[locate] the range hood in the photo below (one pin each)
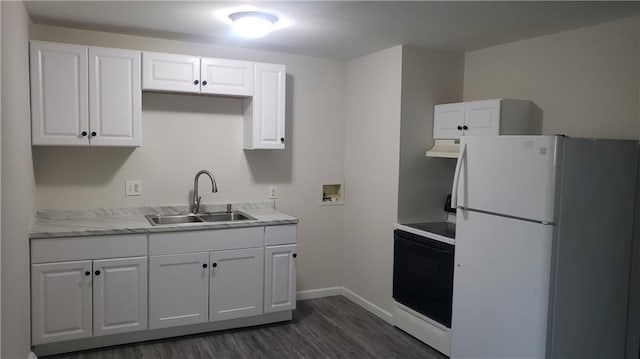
(445, 149)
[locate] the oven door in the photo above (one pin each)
(423, 275)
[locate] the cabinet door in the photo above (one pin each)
(482, 118)
(226, 77)
(169, 72)
(280, 278)
(59, 94)
(236, 283)
(178, 289)
(119, 295)
(267, 128)
(60, 301)
(446, 120)
(115, 97)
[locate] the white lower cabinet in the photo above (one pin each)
(72, 300)
(119, 295)
(205, 286)
(178, 289)
(61, 301)
(236, 283)
(160, 280)
(280, 278)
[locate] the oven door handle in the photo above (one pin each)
(456, 176)
(409, 242)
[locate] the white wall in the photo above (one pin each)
(185, 133)
(17, 181)
(371, 173)
(429, 77)
(585, 81)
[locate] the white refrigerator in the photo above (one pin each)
(543, 245)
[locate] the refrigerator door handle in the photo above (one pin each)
(456, 176)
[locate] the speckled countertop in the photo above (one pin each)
(103, 221)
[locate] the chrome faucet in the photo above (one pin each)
(195, 204)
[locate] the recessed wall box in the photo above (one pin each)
(332, 193)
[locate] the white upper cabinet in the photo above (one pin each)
(226, 77)
(170, 72)
(193, 74)
(482, 118)
(59, 94)
(446, 120)
(115, 97)
(85, 96)
(262, 85)
(264, 118)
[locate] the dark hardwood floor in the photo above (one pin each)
(331, 327)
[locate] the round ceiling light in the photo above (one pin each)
(253, 24)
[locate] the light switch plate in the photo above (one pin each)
(133, 188)
(272, 192)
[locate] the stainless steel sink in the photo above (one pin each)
(225, 216)
(160, 219)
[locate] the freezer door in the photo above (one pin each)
(500, 287)
(508, 175)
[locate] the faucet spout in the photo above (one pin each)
(195, 203)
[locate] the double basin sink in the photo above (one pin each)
(233, 216)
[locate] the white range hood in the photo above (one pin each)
(445, 149)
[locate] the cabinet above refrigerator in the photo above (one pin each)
(478, 118)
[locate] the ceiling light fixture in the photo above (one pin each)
(253, 24)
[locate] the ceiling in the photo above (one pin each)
(340, 29)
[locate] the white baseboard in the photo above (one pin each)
(319, 293)
(352, 296)
(377, 311)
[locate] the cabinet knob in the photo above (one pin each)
(465, 127)
(87, 273)
(204, 83)
(204, 265)
(97, 272)
(282, 139)
(93, 134)
(196, 82)
(214, 264)
(84, 133)
(295, 255)
(459, 128)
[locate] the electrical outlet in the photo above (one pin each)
(272, 192)
(133, 188)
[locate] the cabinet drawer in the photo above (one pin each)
(277, 235)
(209, 240)
(94, 247)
